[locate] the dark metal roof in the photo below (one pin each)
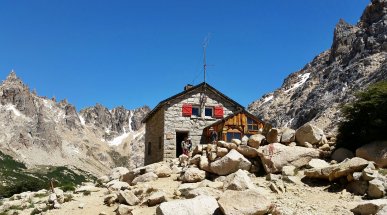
(203, 84)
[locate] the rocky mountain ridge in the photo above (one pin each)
(56, 134)
(314, 94)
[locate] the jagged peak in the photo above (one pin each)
(12, 76)
(374, 12)
(12, 79)
(343, 26)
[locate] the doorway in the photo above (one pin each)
(180, 135)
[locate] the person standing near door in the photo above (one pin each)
(213, 136)
(184, 145)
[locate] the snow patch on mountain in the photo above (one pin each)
(130, 121)
(267, 99)
(303, 78)
(118, 140)
(12, 108)
(82, 120)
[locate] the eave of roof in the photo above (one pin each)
(203, 84)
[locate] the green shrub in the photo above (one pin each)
(16, 207)
(383, 172)
(68, 187)
(68, 197)
(365, 119)
(41, 195)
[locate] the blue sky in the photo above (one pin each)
(135, 53)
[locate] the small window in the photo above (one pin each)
(233, 135)
(149, 148)
(252, 125)
(208, 111)
(195, 111)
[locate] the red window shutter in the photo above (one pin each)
(218, 112)
(187, 110)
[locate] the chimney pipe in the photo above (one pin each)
(187, 87)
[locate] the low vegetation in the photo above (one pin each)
(365, 119)
(16, 178)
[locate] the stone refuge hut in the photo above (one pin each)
(186, 114)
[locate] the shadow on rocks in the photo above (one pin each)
(331, 186)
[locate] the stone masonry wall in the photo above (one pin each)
(174, 121)
(154, 133)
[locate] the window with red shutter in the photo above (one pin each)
(218, 112)
(187, 110)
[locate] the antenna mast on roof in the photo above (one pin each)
(205, 44)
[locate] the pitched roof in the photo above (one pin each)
(203, 84)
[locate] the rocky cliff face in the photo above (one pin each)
(356, 59)
(40, 131)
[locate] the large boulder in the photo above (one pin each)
(127, 197)
(370, 207)
(376, 189)
(273, 136)
(247, 151)
(357, 187)
(221, 152)
(227, 145)
(309, 133)
(203, 205)
(288, 170)
(288, 136)
(110, 199)
(230, 163)
(238, 180)
(244, 203)
(318, 163)
(192, 175)
(236, 141)
(117, 185)
(202, 191)
(117, 173)
(339, 170)
(341, 154)
(123, 210)
(255, 140)
(195, 160)
(375, 151)
(275, 156)
(156, 198)
(204, 164)
(147, 177)
(163, 171)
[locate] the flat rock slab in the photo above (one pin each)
(338, 170)
(244, 203)
(203, 205)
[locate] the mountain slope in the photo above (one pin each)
(40, 131)
(314, 94)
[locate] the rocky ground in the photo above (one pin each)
(292, 175)
(296, 198)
